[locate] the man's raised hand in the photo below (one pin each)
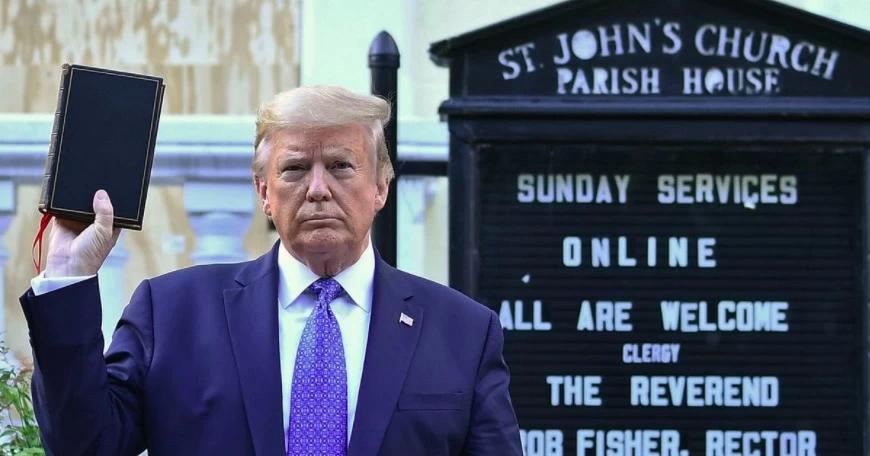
(78, 249)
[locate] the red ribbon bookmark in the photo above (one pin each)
(37, 260)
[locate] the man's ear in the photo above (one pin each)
(383, 192)
(262, 194)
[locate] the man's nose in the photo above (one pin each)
(318, 185)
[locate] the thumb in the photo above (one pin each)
(105, 214)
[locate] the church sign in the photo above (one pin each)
(756, 60)
(665, 203)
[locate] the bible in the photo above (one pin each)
(103, 137)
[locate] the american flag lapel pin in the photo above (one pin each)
(403, 318)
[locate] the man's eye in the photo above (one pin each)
(341, 165)
(294, 168)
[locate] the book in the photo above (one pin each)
(104, 132)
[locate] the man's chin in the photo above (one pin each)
(323, 243)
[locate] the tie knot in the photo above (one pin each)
(327, 289)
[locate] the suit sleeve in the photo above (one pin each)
(494, 429)
(87, 403)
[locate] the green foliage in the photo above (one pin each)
(19, 433)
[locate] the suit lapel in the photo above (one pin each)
(389, 351)
(252, 318)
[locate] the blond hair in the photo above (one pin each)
(315, 107)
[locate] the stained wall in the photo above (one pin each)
(217, 58)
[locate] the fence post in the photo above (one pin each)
(384, 66)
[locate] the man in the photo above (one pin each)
(317, 347)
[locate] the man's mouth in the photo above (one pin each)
(319, 218)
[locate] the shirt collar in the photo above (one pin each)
(357, 280)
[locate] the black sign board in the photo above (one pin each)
(678, 262)
(661, 48)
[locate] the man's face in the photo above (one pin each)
(322, 191)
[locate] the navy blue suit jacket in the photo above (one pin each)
(193, 369)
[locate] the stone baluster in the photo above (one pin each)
(112, 289)
(7, 212)
(220, 214)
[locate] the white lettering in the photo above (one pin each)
(705, 253)
(730, 316)
(525, 188)
(828, 61)
(526, 49)
(574, 390)
(748, 190)
(572, 249)
(602, 254)
(678, 252)
(504, 59)
(624, 259)
(584, 44)
(611, 40)
(700, 45)
(629, 442)
(757, 443)
(650, 353)
(604, 316)
(563, 46)
(671, 31)
(542, 442)
(676, 391)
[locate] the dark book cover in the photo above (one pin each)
(103, 138)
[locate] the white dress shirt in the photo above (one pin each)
(352, 309)
(42, 284)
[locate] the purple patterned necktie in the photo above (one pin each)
(318, 402)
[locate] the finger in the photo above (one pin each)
(105, 214)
